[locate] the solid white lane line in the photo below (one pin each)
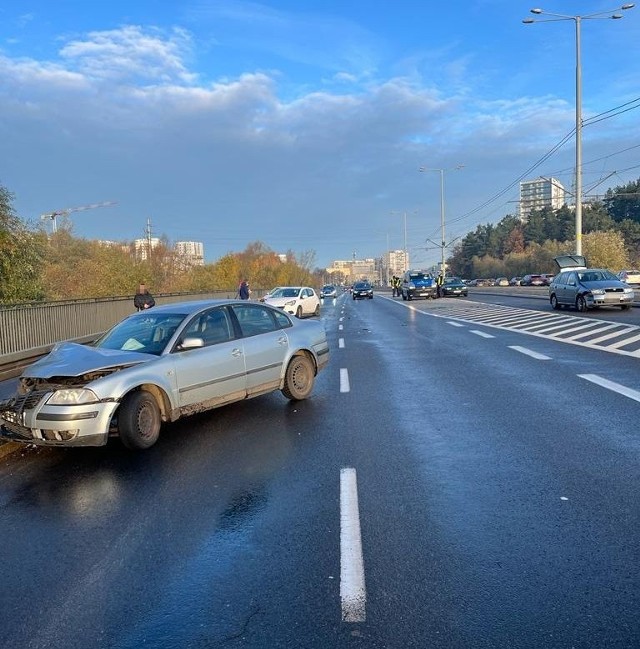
(353, 594)
(610, 385)
(344, 380)
(530, 352)
(341, 343)
(483, 334)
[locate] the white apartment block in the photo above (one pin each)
(190, 253)
(539, 194)
(142, 247)
(395, 262)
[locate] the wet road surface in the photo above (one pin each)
(492, 486)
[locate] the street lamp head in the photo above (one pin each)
(631, 5)
(536, 11)
(528, 21)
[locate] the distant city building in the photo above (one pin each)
(539, 194)
(355, 269)
(190, 253)
(143, 247)
(394, 262)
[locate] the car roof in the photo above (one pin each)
(194, 306)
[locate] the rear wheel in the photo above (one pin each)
(139, 421)
(581, 304)
(625, 307)
(317, 311)
(299, 378)
(554, 302)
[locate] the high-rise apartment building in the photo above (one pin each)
(394, 262)
(190, 253)
(539, 194)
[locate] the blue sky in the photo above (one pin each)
(304, 124)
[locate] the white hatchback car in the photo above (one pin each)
(296, 300)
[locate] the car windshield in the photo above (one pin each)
(596, 276)
(328, 288)
(420, 276)
(148, 333)
(286, 292)
(453, 280)
(361, 285)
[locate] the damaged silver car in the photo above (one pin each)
(159, 365)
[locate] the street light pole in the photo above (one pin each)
(578, 172)
(405, 239)
(443, 241)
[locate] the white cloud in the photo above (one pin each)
(132, 54)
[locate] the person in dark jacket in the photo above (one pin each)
(143, 299)
(243, 290)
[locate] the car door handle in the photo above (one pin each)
(282, 340)
(236, 352)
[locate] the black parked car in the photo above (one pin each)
(453, 286)
(362, 290)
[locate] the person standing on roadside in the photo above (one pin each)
(143, 299)
(244, 291)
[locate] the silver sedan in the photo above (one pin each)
(158, 365)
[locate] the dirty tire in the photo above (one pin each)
(299, 378)
(317, 311)
(299, 312)
(139, 421)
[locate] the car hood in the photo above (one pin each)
(279, 301)
(604, 283)
(72, 359)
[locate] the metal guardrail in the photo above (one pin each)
(29, 331)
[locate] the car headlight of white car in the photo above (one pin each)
(72, 397)
(290, 303)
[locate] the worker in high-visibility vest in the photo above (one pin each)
(439, 283)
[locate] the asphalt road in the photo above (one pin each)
(450, 484)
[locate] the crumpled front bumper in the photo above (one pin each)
(29, 419)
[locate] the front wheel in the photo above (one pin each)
(299, 312)
(298, 379)
(139, 421)
(625, 307)
(581, 304)
(317, 311)
(554, 302)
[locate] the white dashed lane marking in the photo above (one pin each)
(353, 594)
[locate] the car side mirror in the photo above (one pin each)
(191, 343)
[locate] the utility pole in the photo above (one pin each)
(148, 236)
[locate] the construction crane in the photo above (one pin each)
(53, 216)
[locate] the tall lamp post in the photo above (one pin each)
(578, 20)
(405, 238)
(443, 243)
